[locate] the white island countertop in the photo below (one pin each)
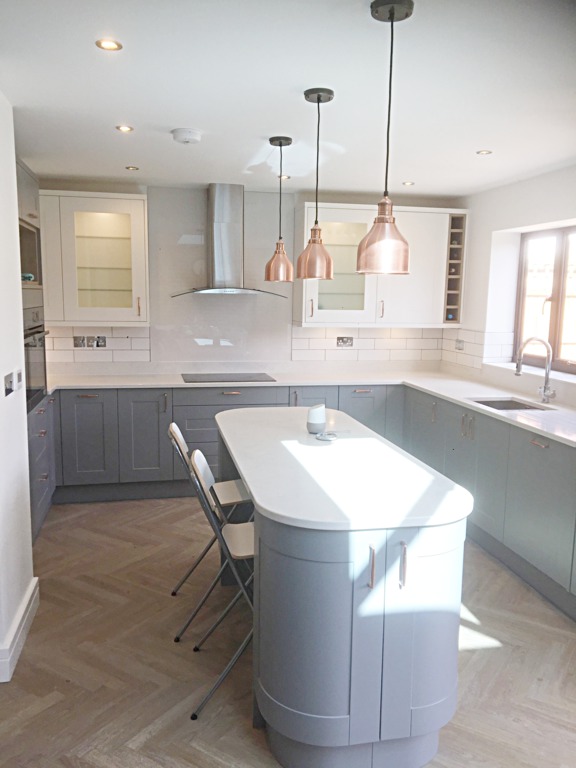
(360, 481)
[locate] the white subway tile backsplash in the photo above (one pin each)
(48, 343)
(390, 344)
(96, 330)
(308, 333)
(322, 344)
(117, 343)
(59, 331)
(406, 333)
(431, 333)
(131, 356)
(374, 333)
(53, 356)
(140, 343)
(63, 343)
(92, 356)
(341, 354)
(364, 343)
(405, 354)
(308, 354)
(331, 333)
(300, 343)
(135, 332)
(373, 354)
(421, 344)
(431, 354)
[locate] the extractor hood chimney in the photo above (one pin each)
(225, 243)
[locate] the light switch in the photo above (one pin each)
(8, 384)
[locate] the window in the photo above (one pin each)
(546, 305)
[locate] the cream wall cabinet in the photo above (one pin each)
(418, 299)
(95, 258)
(28, 196)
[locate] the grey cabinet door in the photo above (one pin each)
(423, 583)
(308, 396)
(144, 416)
(492, 438)
(541, 503)
(41, 461)
(425, 432)
(89, 423)
(367, 404)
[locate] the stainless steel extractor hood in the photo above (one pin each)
(225, 243)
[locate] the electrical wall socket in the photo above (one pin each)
(8, 384)
(459, 344)
(79, 341)
(344, 341)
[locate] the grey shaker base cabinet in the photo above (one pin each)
(368, 667)
(41, 461)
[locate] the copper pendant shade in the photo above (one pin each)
(315, 261)
(279, 269)
(384, 251)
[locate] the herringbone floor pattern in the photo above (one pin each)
(100, 684)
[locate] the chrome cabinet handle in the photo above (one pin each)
(381, 308)
(87, 397)
(233, 392)
(44, 477)
(538, 444)
(165, 396)
(362, 391)
(41, 410)
(403, 564)
(295, 397)
(372, 580)
(42, 433)
(463, 425)
(311, 307)
(471, 427)
(434, 404)
(138, 305)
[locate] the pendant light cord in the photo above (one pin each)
(317, 156)
(389, 101)
(280, 201)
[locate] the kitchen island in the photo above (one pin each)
(357, 590)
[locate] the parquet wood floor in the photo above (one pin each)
(100, 683)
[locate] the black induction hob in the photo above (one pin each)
(215, 378)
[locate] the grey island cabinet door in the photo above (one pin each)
(144, 416)
(89, 422)
(314, 395)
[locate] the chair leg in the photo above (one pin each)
(223, 676)
(221, 618)
(201, 602)
(194, 565)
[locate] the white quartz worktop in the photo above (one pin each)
(360, 481)
(555, 421)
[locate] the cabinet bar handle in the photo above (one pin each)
(471, 427)
(42, 433)
(463, 425)
(165, 396)
(52, 400)
(403, 564)
(138, 305)
(372, 568)
(311, 307)
(87, 396)
(296, 397)
(381, 308)
(41, 410)
(362, 391)
(44, 477)
(234, 392)
(434, 404)
(535, 442)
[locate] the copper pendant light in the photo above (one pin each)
(384, 251)
(279, 269)
(315, 261)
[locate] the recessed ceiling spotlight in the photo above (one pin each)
(124, 128)
(484, 152)
(408, 183)
(109, 45)
(132, 168)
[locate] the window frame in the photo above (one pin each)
(557, 298)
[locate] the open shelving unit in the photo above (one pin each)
(455, 268)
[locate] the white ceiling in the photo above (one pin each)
(468, 75)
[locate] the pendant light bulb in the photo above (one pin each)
(315, 261)
(384, 251)
(279, 269)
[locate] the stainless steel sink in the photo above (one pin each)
(509, 404)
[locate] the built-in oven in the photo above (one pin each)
(34, 355)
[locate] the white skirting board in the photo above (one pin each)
(14, 642)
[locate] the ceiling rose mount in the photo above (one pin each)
(319, 95)
(385, 11)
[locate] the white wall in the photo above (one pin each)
(18, 588)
